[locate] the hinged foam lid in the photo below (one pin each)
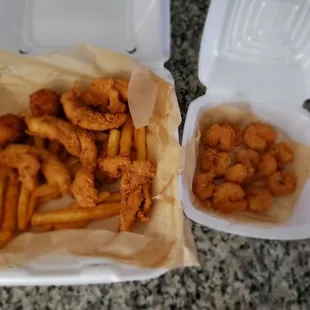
(140, 28)
(259, 48)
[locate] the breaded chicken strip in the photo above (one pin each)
(83, 116)
(77, 141)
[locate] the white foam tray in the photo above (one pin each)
(258, 52)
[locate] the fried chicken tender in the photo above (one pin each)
(12, 128)
(259, 198)
(203, 186)
(222, 137)
(282, 152)
(259, 136)
(83, 116)
(134, 178)
(113, 167)
(281, 183)
(229, 197)
(267, 165)
(76, 141)
(212, 159)
(44, 101)
(237, 173)
(83, 189)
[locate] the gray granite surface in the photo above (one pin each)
(235, 272)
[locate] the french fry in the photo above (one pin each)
(101, 136)
(10, 205)
(45, 199)
(114, 197)
(69, 215)
(55, 147)
(140, 143)
(126, 138)
(22, 209)
(39, 142)
(5, 238)
(113, 143)
(41, 191)
(103, 196)
(74, 225)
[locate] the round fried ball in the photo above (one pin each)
(45, 101)
(12, 128)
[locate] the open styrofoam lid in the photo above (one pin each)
(259, 48)
(138, 27)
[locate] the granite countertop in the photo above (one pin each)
(235, 272)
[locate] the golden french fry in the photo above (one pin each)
(74, 225)
(140, 143)
(114, 197)
(113, 143)
(22, 209)
(101, 136)
(55, 147)
(103, 196)
(126, 138)
(41, 191)
(5, 238)
(10, 205)
(39, 142)
(70, 215)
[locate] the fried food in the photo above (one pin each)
(203, 186)
(72, 215)
(229, 197)
(237, 173)
(9, 222)
(74, 225)
(250, 159)
(83, 189)
(113, 166)
(12, 129)
(22, 209)
(44, 101)
(55, 147)
(100, 136)
(259, 136)
(134, 178)
(222, 137)
(77, 141)
(27, 164)
(115, 106)
(5, 238)
(282, 152)
(267, 165)
(281, 183)
(212, 159)
(140, 143)
(83, 116)
(126, 138)
(113, 143)
(259, 198)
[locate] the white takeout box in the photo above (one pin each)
(138, 28)
(256, 52)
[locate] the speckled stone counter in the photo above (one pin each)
(235, 272)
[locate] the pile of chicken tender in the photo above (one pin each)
(73, 144)
(241, 170)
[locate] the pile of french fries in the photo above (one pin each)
(20, 209)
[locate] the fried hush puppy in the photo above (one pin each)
(259, 136)
(12, 129)
(222, 137)
(259, 198)
(212, 159)
(281, 183)
(44, 101)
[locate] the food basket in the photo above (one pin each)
(255, 52)
(139, 28)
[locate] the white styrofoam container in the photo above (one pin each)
(257, 52)
(139, 28)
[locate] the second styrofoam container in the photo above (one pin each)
(255, 52)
